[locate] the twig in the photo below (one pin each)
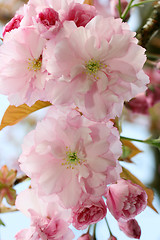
(151, 26)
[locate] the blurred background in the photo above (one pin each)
(138, 121)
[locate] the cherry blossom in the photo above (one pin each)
(12, 24)
(100, 64)
(70, 156)
(48, 220)
(130, 228)
(88, 212)
(22, 75)
(125, 200)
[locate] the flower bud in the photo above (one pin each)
(12, 24)
(85, 236)
(125, 200)
(131, 228)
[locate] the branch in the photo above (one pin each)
(151, 26)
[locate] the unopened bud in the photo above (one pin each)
(112, 238)
(131, 228)
(85, 236)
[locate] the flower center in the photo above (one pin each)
(35, 64)
(72, 159)
(93, 66)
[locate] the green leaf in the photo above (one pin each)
(15, 114)
(2, 223)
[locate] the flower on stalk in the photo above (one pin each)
(125, 200)
(71, 156)
(85, 236)
(130, 228)
(88, 212)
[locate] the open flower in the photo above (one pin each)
(71, 156)
(48, 220)
(100, 64)
(22, 76)
(125, 200)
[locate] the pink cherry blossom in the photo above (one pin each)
(112, 238)
(81, 14)
(100, 64)
(125, 200)
(12, 24)
(130, 228)
(86, 236)
(22, 76)
(88, 213)
(47, 219)
(69, 155)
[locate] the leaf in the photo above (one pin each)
(129, 151)
(2, 223)
(15, 114)
(89, 2)
(126, 174)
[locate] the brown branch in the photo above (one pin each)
(151, 26)
(20, 180)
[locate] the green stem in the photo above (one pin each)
(94, 231)
(126, 10)
(133, 139)
(119, 8)
(141, 3)
(89, 228)
(150, 141)
(108, 227)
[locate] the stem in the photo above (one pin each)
(119, 8)
(152, 63)
(133, 139)
(108, 227)
(126, 10)
(141, 3)
(89, 229)
(94, 231)
(21, 179)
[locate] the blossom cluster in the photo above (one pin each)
(86, 64)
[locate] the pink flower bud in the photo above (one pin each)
(12, 24)
(86, 236)
(48, 17)
(112, 238)
(81, 14)
(87, 213)
(131, 228)
(138, 104)
(125, 200)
